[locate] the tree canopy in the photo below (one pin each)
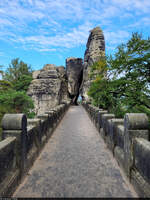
(19, 74)
(13, 87)
(127, 86)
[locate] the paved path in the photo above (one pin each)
(75, 163)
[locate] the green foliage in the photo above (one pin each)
(13, 87)
(16, 69)
(127, 87)
(18, 101)
(98, 69)
(5, 85)
(4, 110)
(19, 74)
(22, 83)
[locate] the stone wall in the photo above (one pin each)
(22, 142)
(129, 141)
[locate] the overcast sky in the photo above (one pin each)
(48, 31)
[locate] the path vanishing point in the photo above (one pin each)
(75, 162)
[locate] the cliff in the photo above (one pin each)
(48, 88)
(95, 48)
(54, 85)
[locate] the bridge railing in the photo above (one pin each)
(22, 141)
(129, 141)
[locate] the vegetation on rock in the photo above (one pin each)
(126, 88)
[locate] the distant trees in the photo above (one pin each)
(13, 87)
(127, 86)
(19, 74)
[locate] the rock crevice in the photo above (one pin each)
(54, 85)
(74, 71)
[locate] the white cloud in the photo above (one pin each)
(145, 21)
(76, 37)
(47, 24)
(113, 39)
(47, 50)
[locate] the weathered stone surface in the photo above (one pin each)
(75, 163)
(95, 48)
(141, 148)
(74, 71)
(33, 122)
(35, 74)
(133, 124)
(53, 85)
(7, 159)
(136, 121)
(49, 88)
(14, 121)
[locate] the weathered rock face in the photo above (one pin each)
(95, 48)
(53, 85)
(74, 71)
(48, 88)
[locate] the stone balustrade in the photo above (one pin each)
(22, 141)
(129, 141)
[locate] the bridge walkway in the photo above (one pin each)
(75, 163)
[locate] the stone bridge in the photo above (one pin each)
(89, 154)
(73, 151)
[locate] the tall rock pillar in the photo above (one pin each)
(95, 48)
(74, 71)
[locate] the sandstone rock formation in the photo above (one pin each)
(48, 88)
(74, 71)
(95, 48)
(53, 85)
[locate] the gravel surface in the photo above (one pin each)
(75, 163)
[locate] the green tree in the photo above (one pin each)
(5, 85)
(13, 87)
(127, 88)
(17, 101)
(19, 74)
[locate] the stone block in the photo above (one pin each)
(43, 116)
(119, 155)
(111, 130)
(136, 121)
(141, 153)
(14, 122)
(135, 126)
(7, 156)
(141, 186)
(105, 118)
(33, 122)
(120, 136)
(100, 112)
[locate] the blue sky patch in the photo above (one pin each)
(47, 32)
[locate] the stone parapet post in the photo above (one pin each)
(100, 112)
(113, 131)
(136, 125)
(16, 125)
(22, 141)
(129, 141)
